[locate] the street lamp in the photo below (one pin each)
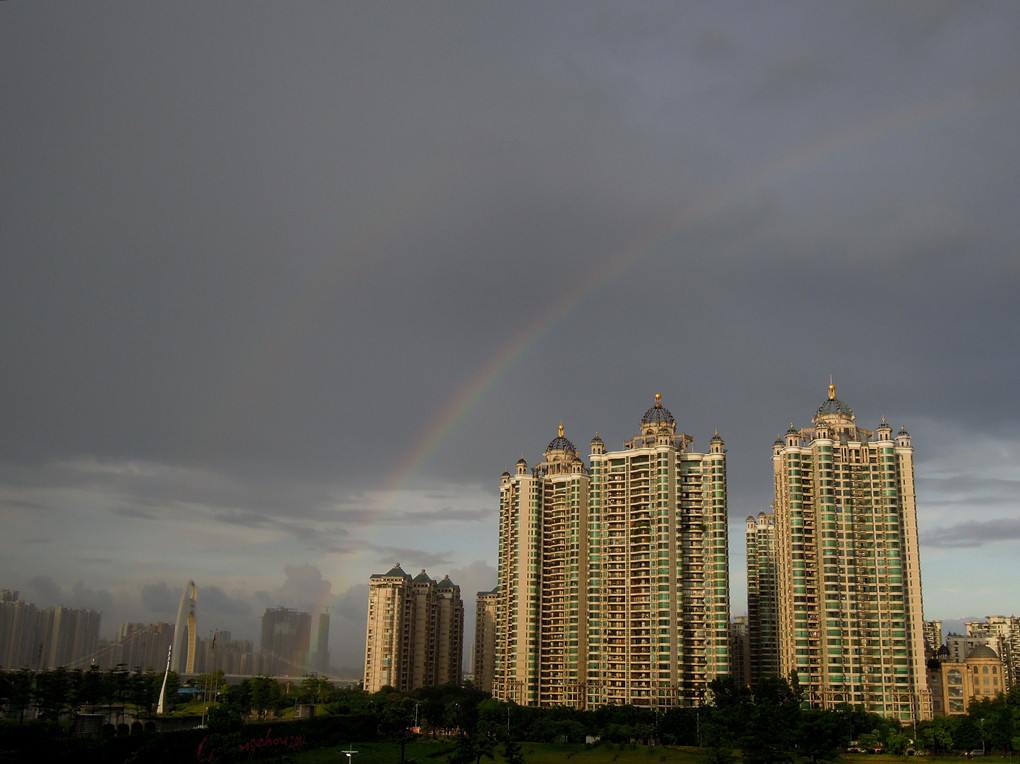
(349, 754)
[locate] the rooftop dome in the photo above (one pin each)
(657, 414)
(982, 651)
(446, 583)
(834, 405)
(559, 443)
(394, 572)
(596, 439)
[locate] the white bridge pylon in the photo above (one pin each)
(177, 662)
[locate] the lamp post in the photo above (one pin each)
(349, 753)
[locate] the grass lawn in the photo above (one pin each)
(435, 752)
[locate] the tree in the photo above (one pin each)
(239, 697)
(464, 751)
(484, 740)
(18, 692)
(210, 683)
(728, 715)
(266, 695)
(895, 742)
(91, 691)
(114, 685)
(51, 691)
(512, 753)
(143, 690)
(680, 726)
(772, 722)
(819, 735)
(936, 735)
(316, 689)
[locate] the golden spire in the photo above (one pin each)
(561, 431)
(832, 389)
(658, 399)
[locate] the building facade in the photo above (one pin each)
(43, 638)
(449, 657)
(740, 651)
(613, 579)
(415, 634)
(485, 639)
(932, 635)
(1006, 629)
(286, 638)
(850, 611)
(143, 646)
(762, 596)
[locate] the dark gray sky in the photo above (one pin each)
(284, 287)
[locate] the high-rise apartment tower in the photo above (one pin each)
(613, 583)
(286, 637)
(850, 611)
(762, 595)
(415, 634)
(485, 639)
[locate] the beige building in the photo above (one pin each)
(850, 611)
(541, 579)
(932, 635)
(1006, 631)
(485, 639)
(613, 580)
(762, 596)
(740, 650)
(415, 634)
(956, 684)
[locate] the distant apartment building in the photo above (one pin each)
(850, 611)
(762, 596)
(286, 638)
(415, 631)
(740, 650)
(320, 658)
(485, 639)
(43, 638)
(959, 646)
(932, 635)
(221, 652)
(142, 646)
(1006, 628)
(613, 583)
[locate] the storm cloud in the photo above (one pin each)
(283, 290)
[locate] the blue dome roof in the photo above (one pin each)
(657, 414)
(834, 405)
(559, 443)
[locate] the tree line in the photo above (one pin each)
(768, 723)
(59, 691)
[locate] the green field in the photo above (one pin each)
(435, 752)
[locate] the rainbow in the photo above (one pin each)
(716, 202)
(470, 395)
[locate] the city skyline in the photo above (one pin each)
(284, 289)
